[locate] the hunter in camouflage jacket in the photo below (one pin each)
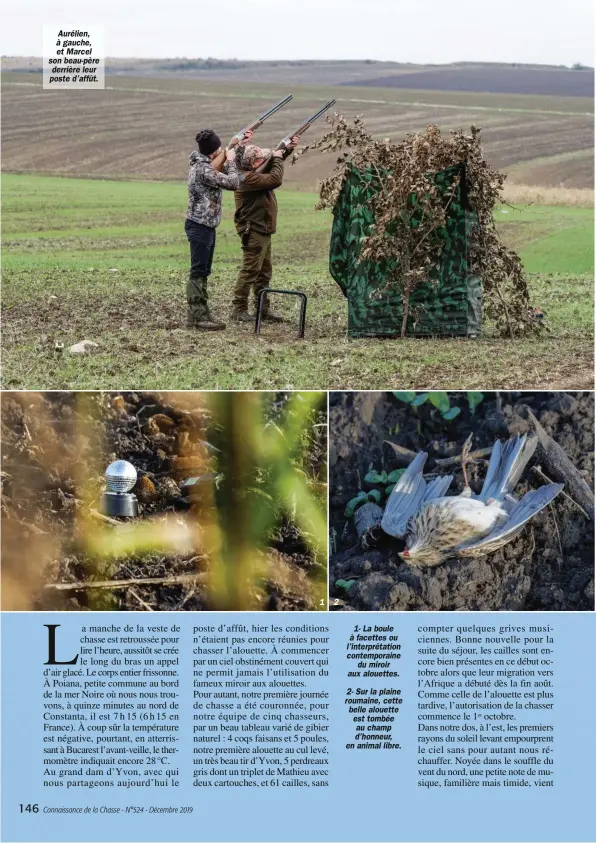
(204, 189)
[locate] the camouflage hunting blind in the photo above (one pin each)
(449, 304)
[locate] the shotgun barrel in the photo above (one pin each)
(284, 144)
(275, 108)
(260, 120)
(307, 123)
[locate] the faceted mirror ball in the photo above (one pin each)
(121, 476)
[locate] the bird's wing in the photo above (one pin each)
(437, 488)
(531, 503)
(406, 497)
(507, 462)
(491, 471)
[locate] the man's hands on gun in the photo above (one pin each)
(229, 153)
(281, 153)
(247, 137)
(231, 149)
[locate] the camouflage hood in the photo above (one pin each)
(196, 156)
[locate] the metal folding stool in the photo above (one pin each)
(303, 301)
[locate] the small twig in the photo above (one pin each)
(471, 457)
(404, 453)
(404, 321)
(541, 473)
(465, 458)
(34, 528)
(190, 593)
(141, 601)
(81, 586)
(515, 207)
(561, 468)
(145, 408)
(550, 506)
(105, 518)
(529, 555)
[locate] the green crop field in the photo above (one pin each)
(107, 261)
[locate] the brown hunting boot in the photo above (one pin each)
(242, 316)
(210, 325)
(204, 323)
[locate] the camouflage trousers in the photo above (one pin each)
(202, 247)
(255, 272)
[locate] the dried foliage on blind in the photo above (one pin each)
(409, 211)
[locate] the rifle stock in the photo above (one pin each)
(220, 159)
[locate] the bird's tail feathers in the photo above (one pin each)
(507, 463)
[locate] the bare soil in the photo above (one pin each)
(549, 567)
(147, 124)
(560, 82)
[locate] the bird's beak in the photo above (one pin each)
(404, 554)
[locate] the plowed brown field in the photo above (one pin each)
(144, 128)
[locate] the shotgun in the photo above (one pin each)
(218, 162)
(283, 144)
